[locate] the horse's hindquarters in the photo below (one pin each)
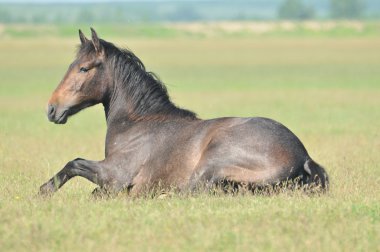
(255, 151)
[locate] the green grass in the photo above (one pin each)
(327, 90)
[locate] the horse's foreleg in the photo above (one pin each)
(90, 170)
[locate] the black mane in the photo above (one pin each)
(147, 95)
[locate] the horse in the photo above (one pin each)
(151, 141)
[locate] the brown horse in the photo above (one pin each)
(151, 141)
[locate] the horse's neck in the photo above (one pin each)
(140, 97)
(115, 106)
(124, 104)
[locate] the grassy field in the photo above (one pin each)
(327, 90)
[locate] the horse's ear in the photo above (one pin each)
(82, 38)
(96, 42)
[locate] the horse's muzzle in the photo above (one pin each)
(56, 115)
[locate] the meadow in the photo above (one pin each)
(326, 89)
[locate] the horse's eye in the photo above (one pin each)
(83, 70)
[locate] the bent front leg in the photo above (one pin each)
(90, 170)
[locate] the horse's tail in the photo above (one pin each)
(315, 175)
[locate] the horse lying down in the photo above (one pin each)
(151, 141)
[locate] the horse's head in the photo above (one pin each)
(83, 84)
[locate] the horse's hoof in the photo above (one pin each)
(46, 189)
(100, 193)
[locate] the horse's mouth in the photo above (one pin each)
(62, 118)
(66, 112)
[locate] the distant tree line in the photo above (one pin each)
(184, 11)
(339, 9)
(347, 8)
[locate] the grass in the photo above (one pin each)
(325, 89)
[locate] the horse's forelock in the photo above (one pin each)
(85, 49)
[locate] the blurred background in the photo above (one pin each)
(162, 13)
(89, 12)
(313, 65)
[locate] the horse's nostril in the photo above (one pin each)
(51, 111)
